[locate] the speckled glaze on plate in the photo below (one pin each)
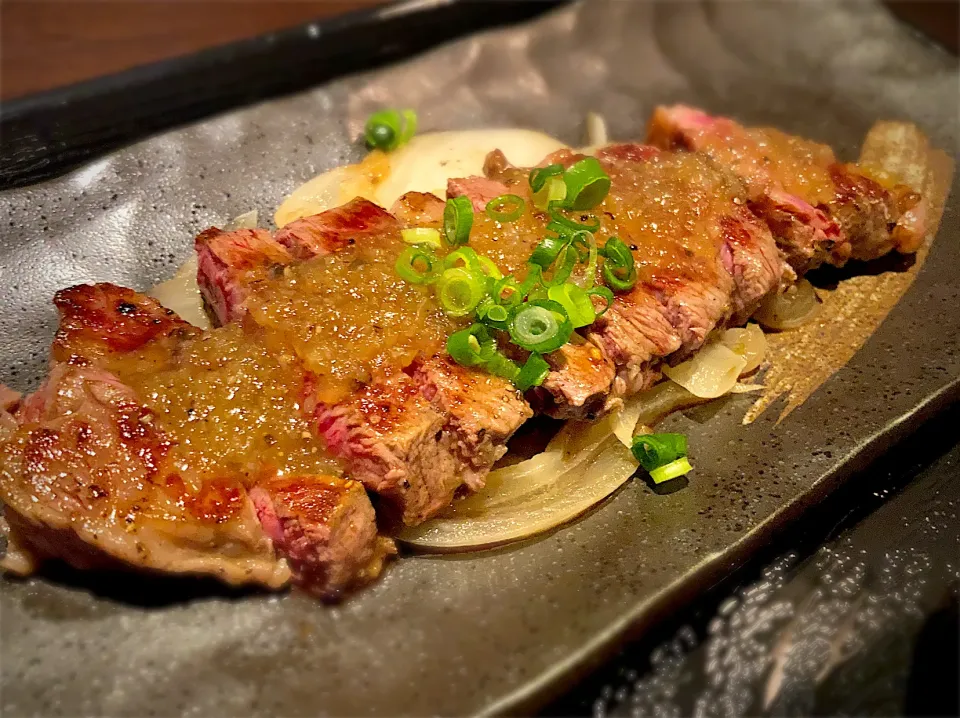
(498, 631)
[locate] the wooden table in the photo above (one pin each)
(51, 43)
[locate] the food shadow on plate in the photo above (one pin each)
(140, 589)
(830, 277)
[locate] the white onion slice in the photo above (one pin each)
(649, 407)
(247, 220)
(749, 342)
(596, 126)
(709, 374)
(182, 295)
(608, 467)
(790, 309)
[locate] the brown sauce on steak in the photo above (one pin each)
(349, 317)
(233, 406)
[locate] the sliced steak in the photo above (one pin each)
(416, 437)
(356, 221)
(100, 320)
(325, 527)
(189, 385)
(820, 211)
(480, 190)
(391, 438)
(228, 262)
(82, 479)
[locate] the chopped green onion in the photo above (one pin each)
(506, 207)
(463, 257)
(619, 271)
(457, 221)
(671, 471)
(389, 129)
(409, 262)
(466, 346)
(493, 314)
(563, 267)
(589, 243)
(515, 292)
(533, 278)
(656, 450)
(533, 373)
(547, 251)
(541, 326)
(571, 224)
(489, 268)
(555, 190)
(421, 235)
(587, 184)
(499, 365)
(460, 291)
(576, 302)
(540, 175)
(605, 294)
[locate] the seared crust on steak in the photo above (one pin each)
(229, 262)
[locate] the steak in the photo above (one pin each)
(242, 516)
(819, 210)
(228, 262)
(82, 480)
(412, 437)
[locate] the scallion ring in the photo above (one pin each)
(540, 175)
(541, 326)
(671, 471)
(421, 235)
(466, 346)
(572, 224)
(499, 365)
(619, 271)
(605, 294)
(489, 268)
(655, 450)
(562, 268)
(508, 292)
(588, 243)
(554, 191)
(416, 265)
(576, 302)
(463, 257)
(459, 291)
(587, 184)
(505, 208)
(547, 251)
(457, 221)
(389, 129)
(533, 373)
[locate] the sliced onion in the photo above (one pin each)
(596, 130)
(651, 406)
(182, 295)
(749, 342)
(606, 469)
(711, 373)
(790, 309)
(247, 220)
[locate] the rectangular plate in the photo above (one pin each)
(497, 631)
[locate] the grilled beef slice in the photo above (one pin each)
(320, 528)
(703, 260)
(412, 436)
(819, 210)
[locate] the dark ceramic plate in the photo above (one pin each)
(498, 631)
